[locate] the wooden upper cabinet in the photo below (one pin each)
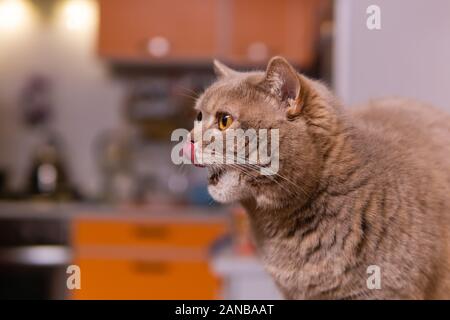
(262, 29)
(173, 30)
(237, 31)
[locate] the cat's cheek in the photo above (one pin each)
(228, 189)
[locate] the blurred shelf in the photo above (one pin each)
(232, 30)
(24, 209)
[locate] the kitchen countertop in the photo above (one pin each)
(69, 210)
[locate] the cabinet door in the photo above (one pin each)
(156, 256)
(261, 29)
(113, 278)
(147, 233)
(158, 29)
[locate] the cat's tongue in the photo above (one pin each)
(189, 153)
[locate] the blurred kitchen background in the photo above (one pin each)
(90, 92)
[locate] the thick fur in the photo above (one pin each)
(356, 187)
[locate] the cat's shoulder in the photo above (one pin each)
(402, 109)
(401, 114)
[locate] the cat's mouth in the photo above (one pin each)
(214, 174)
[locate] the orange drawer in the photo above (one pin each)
(156, 279)
(146, 233)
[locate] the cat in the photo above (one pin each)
(356, 187)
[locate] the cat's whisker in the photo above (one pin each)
(188, 93)
(259, 168)
(286, 188)
(256, 168)
(188, 96)
(279, 175)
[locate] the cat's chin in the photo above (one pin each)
(225, 186)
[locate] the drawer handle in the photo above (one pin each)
(257, 52)
(154, 267)
(158, 46)
(151, 232)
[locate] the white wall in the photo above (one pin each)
(86, 99)
(409, 56)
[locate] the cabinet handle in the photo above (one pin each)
(151, 232)
(158, 46)
(257, 51)
(155, 267)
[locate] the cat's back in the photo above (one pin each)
(409, 138)
(410, 126)
(416, 138)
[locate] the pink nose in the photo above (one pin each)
(189, 153)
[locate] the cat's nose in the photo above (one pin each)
(189, 153)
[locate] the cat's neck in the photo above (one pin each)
(346, 168)
(322, 231)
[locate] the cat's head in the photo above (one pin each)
(278, 99)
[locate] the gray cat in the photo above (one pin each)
(355, 187)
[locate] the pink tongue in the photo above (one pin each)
(188, 152)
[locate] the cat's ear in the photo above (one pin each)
(222, 70)
(282, 80)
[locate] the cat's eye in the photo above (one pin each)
(199, 116)
(224, 120)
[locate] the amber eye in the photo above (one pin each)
(199, 116)
(225, 120)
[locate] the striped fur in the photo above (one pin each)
(357, 187)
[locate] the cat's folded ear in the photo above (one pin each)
(282, 80)
(222, 70)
